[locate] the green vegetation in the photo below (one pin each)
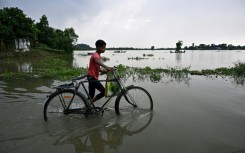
(237, 70)
(56, 68)
(141, 58)
(136, 58)
(222, 46)
(15, 25)
(83, 47)
(59, 68)
(33, 53)
(148, 55)
(178, 45)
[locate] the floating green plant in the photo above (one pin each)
(60, 69)
(137, 58)
(148, 55)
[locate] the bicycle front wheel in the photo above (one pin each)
(56, 105)
(133, 100)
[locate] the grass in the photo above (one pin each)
(238, 70)
(33, 53)
(53, 69)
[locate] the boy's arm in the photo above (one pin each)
(98, 61)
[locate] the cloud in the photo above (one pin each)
(143, 23)
(117, 21)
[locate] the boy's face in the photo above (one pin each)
(101, 49)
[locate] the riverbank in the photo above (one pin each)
(44, 64)
(40, 52)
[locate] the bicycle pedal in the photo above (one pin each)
(106, 109)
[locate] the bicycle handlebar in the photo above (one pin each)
(85, 76)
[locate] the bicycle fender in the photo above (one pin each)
(45, 101)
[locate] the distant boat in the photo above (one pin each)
(119, 51)
(177, 51)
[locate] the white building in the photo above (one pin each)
(22, 44)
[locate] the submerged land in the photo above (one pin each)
(58, 66)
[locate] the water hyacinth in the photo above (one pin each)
(60, 69)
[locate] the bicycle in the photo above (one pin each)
(68, 100)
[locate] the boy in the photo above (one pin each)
(93, 71)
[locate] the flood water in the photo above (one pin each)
(190, 115)
(195, 59)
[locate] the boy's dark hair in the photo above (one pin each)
(100, 43)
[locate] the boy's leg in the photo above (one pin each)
(101, 88)
(91, 89)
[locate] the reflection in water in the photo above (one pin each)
(156, 75)
(238, 80)
(111, 135)
(25, 67)
(30, 64)
(16, 66)
(163, 78)
(178, 57)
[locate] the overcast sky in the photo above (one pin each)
(143, 23)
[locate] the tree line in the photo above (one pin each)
(178, 47)
(87, 47)
(15, 25)
(222, 46)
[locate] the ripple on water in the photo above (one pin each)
(20, 89)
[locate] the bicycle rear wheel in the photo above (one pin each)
(132, 101)
(56, 105)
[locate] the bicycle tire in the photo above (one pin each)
(133, 94)
(57, 102)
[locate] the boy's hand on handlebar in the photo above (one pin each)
(110, 69)
(107, 69)
(103, 71)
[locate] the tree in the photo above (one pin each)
(70, 39)
(45, 32)
(223, 46)
(202, 46)
(152, 47)
(56, 38)
(83, 47)
(178, 45)
(14, 24)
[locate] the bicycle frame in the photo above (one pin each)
(86, 91)
(116, 79)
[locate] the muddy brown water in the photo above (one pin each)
(200, 114)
